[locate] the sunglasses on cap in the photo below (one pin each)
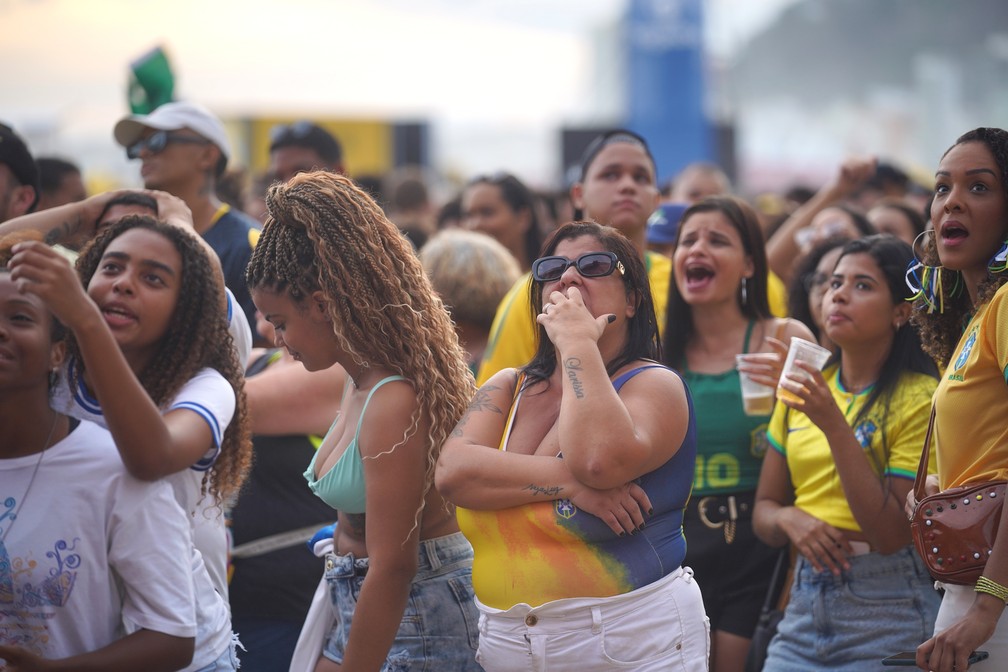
(590, 265)
(299, 130)
(158, 141)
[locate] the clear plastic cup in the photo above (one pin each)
(757, 398)
(801, 351)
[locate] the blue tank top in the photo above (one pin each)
(342, 487)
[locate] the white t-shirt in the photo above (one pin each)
(90, 548)
(210, 395)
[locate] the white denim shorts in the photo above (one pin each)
(657, 628)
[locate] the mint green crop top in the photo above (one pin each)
(342, 487)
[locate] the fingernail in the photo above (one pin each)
(622, 533)
(641, 526)
(650, 511)
(611, 318)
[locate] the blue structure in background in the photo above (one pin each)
(665, 70)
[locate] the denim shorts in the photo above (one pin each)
(882, 605)
(439, 628)
(660, 627)
(227, 661)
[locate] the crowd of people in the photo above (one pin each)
(317, 423)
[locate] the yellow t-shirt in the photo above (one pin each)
(971, 404)
(818, 490)
(776, 295)
(512, 341)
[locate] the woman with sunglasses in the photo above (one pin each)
(718, 308)
(503, 208)
(618, 188)
(965, 328)
(842, 460)
(574, 479)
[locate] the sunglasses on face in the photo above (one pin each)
(158, 141)
(590, 265)
(298, 130)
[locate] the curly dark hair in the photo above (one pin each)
(940, 331)
(197, 337)
(326, 234)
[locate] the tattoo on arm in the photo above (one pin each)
(481, 402)
(61, 233)
(549, 491)
(356, 522)
(572, 365)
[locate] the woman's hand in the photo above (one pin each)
(623, 509)
(172, 209)
(38, 269)
(817, 401)
(930, 488)
(950, 649)
(763, 367)
(822, 544)
(566, 318)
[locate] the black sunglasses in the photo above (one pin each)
(158, 141)
(590, 265)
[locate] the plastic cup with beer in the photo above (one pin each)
(801, 351)
(757, 398)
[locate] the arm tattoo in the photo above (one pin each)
(481, 402)
(60, 233)
(356, 523)
(572, 365)
(549, 491)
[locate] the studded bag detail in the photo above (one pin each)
(953, 530)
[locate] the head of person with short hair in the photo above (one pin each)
(60, 181)
(471, 272)
(698, 181)
(302, 147)
(19, 176)
(182, 146)
(127, 203)
(618, 184)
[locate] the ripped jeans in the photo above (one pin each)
(439, 629)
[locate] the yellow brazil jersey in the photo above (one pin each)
(971, 404)
(818, 490)
(512, 341)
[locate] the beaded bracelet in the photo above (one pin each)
(985, 585)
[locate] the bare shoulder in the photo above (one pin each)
(788, 327)
(652, 378)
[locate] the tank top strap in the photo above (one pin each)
(624, 377)
(745, 339)
(360, 420)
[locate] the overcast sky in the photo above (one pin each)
(512, 64)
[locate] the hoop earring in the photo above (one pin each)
(745, 293)
(999, 262)
(927, 282)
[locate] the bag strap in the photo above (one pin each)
(779, 572)
(922, 466)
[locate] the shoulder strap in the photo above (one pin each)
(922, 466)
(624, 377)
(367, 401)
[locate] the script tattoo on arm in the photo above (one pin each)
(550, 491)
(572, 365)
(481, 402)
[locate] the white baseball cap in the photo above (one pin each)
(173, 117)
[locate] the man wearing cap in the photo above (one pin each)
(301, 147)
(19, 176)
(184, 150)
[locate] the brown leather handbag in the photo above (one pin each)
(954, 529)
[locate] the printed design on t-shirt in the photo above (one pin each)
(966, 349)
(758, 441)
(565, 508)
(864, 432)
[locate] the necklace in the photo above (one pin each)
(31, 481)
